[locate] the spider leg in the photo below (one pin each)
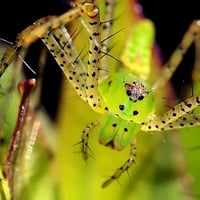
(11, 53)
(86, 84)
(107, 22)
(92, 93)
(173, 116)
(106, 29)
(168, 69)
(40, 27)
(59, 43)
(187, 120)
(130, 161)
(85, 137)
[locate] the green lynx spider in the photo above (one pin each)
(126, 100)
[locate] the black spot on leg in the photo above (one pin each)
(93, 23)
(156, 126)
(96, 48)
(189, 105)
(94, 61)
(95, 34)
(174, 114)
(182, 109)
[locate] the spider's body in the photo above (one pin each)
(133, 106)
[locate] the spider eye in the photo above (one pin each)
(128, 92)
(140, 97)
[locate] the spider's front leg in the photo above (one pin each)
(83, 79)
(41, 27)
(130, 161)
(85, 137)
(92, 93)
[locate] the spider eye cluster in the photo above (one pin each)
(136, 91)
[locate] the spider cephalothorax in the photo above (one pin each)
(127, 96)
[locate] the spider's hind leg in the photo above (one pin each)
(190, 37)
